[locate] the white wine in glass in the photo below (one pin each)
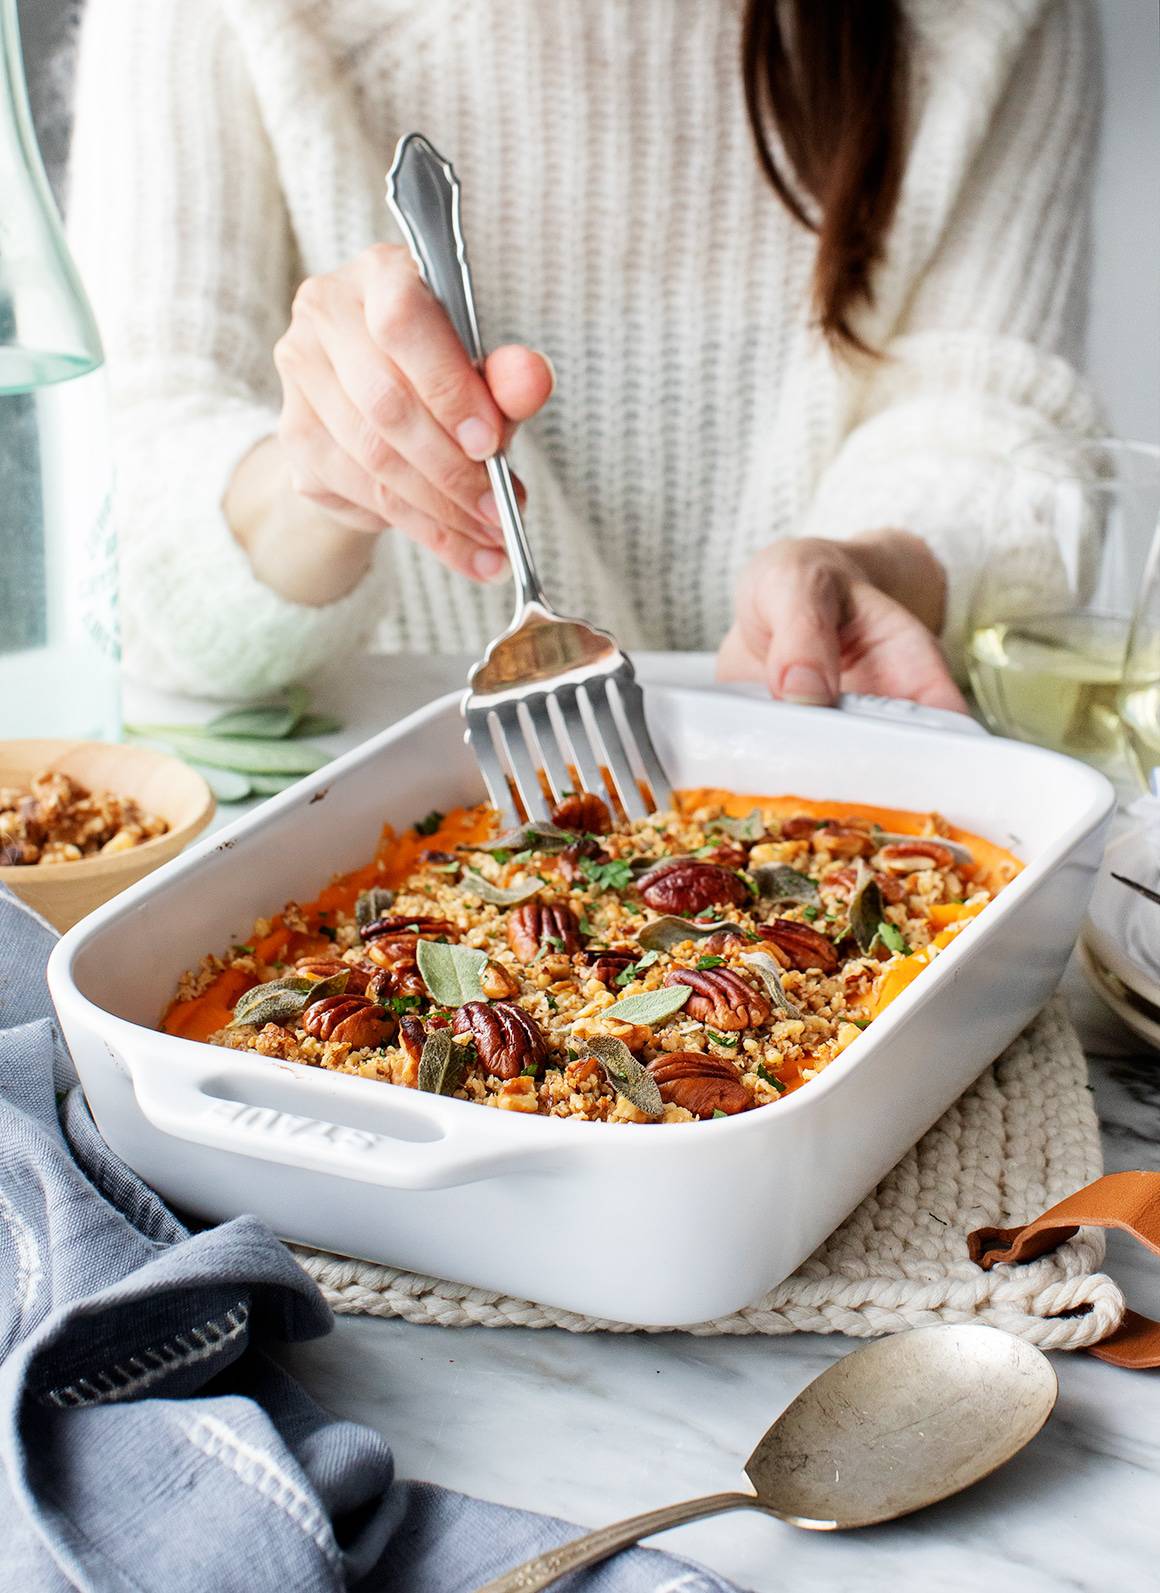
(1055, 616)
(1054, 679)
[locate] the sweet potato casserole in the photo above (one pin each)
(687, 966)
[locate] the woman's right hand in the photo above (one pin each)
(385, 420)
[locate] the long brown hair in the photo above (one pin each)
(828, 77)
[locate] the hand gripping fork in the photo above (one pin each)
(554, 702)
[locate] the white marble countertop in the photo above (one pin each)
(595, 1427)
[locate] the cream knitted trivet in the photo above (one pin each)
(1020, 1139)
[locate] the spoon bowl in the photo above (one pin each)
(900, 1424)
(896, 1425)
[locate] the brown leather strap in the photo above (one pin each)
(1128, 1201)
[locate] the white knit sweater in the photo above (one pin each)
(224, 149)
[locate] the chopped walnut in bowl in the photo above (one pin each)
(58, 820)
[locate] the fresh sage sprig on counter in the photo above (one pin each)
(251, 751)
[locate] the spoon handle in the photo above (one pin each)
(547, 1568)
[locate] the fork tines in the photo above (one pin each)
(589, 735)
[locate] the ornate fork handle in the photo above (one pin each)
(424, 195)
(549, 1567)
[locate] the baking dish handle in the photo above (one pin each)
(190, 1098)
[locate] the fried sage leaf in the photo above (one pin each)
(442, 1063)
(749, 828)
(770, 975)
(651, 1007)
(372, 904)
(535, 836)
(626, 1075)
(451, 973)
(663, 933)
(282, 1001)
(498, 895)
(777, 882)
(867, 910)
(960, 853)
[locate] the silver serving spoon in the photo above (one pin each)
(896, 1425)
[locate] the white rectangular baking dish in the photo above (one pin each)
(648, 1225)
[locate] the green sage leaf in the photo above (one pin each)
(536, 836)
(626, 1075)
(451, 973)
(247, 755)
(372, 904)
(498, 895)
(271, 784)
(653, 1006)
(664, 933)
(750, 828)
(283, 1001)
(442, 1063)
(318, 725)
(866, 910)
(769, 972)
(777, 882)
(226, 784)
(269, 722)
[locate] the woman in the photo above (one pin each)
(806, 272)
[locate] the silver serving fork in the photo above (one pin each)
(550, 693)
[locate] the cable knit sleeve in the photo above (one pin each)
(978, 360)
(178, 225)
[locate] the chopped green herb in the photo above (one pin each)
(774, 1082)
(573, 1056)
(729, 1040)
(860, 1023)
(525, 856)
(555, 942)
(613, 876)
(243, 951)
(710, 962)
(634, 968)
(401, 1004)
(586, 926)
(529, 1072)
(553, 1004)
(891, 937)
(750, 884)
(809, 913)
(706, 850)
(502, 856)
(717, 1112)
(430, 824)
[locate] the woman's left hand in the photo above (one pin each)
(815, 617)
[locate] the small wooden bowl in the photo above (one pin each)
(65, 892)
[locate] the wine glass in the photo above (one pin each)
(1073, 530)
